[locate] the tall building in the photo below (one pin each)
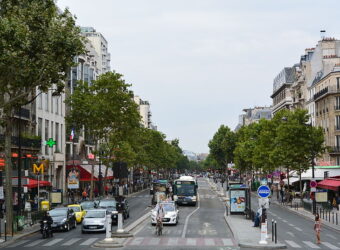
(145, 113)
(101, 47)
(253, 115)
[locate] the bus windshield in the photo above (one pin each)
(185, 189)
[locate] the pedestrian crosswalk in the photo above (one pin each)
(45, 243)
(311, 245)
(157, 241)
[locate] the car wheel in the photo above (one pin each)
(128, 215)
(82, 231)
(68, 227)
(75, 224)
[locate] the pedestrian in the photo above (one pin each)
(84, 195)
(317, 228)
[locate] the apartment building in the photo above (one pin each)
(145, 113)
(253, 115)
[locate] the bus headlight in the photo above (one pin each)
(193, 198)
(175, 197)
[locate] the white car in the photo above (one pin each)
(171, 213)
(94, 221)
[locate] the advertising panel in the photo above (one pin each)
(237, 200)
(321, 196)
(72, 178)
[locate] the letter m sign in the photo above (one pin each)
(37, 169)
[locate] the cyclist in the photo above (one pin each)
(160, 213)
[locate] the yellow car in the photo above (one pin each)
(78, 211)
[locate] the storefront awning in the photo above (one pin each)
(331, 184)
(85, 171)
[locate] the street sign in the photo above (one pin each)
(263, 191)
(313, 184)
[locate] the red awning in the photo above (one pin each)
(331, 183)
(85, 172)
(34, 183)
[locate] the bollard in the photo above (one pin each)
(272, 230)
(329, 215)
(275, 232)
(333, 217)
(5, 230)
(323, 214)
(108, 227)
(336, 217)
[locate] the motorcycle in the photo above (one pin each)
(45, 230)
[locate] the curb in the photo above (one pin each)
(18, 237)
(251, 245)
(136, 193)
(306, 217)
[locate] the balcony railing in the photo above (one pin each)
(24, 141)
(337, 107)
(321, 93)
(334, 150)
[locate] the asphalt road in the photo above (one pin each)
(296, 231)
(200, 227)
(65, 240)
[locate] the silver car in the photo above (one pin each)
(94, 221)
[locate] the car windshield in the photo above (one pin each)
(169, 207)
(95, 214)
(87, 205)
(75, 209)
(107, 204)
(58, 212)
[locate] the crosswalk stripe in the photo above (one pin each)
(34, 243)
(293, 244)
(88, 242)
(51, 243)
(136, 241)
(310, 244)
(209, 242)
(172, 241)
(191, 242)
(154, 241)
(329, 245)
(299, 229)
(227, 242)
(331, 236)
(71, 242)
(19, 243)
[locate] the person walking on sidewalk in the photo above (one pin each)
(317, 228)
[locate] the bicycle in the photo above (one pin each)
(159, 227)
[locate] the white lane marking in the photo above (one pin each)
(172, 241)
(331, 236)
(284, 221)
(51, 243)
(191, 242)
(329, 245)
(291, 234)
(291, 225)
(187, 219)
(154, 241)
(310, 244)
(293, 244)
(136, 241)
(299, 229)
(34, 243)
(227, 242)
(273, 214)
(279, 217)
(89, 241)
(71, 242)
(19, 243)
(209, 242)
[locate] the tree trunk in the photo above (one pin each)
(8, 171)
(92, 186)
(105, 176)
(288, 178)
(300, 185)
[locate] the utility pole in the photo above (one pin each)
(19, 165)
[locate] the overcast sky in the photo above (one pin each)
(200, 62)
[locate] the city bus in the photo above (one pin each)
(185, 191)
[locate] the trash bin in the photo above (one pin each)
(45, 205)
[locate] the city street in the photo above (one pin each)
(199, 227)
(74, 238)
(296, 231)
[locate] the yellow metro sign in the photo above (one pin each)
(37, 169)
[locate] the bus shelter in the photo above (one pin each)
(239, 198)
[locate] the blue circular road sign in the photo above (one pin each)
(263, 191)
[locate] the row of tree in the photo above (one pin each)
(106, 110)
(287, 140)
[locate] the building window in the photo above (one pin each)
(337, 122)
(57, 136)
(46, 101)
(40, 105)
(46, 136)
(40, 127)
(52, 130)
(337, 102)
(57, 106)
(61, 138)
(338, 83)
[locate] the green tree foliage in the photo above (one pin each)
(222, 146)
(37, 45)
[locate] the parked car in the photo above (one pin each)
(171, 213)
(63, 219)
(79, 212)
(94, 221)
(110, 206)
(88, 205)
